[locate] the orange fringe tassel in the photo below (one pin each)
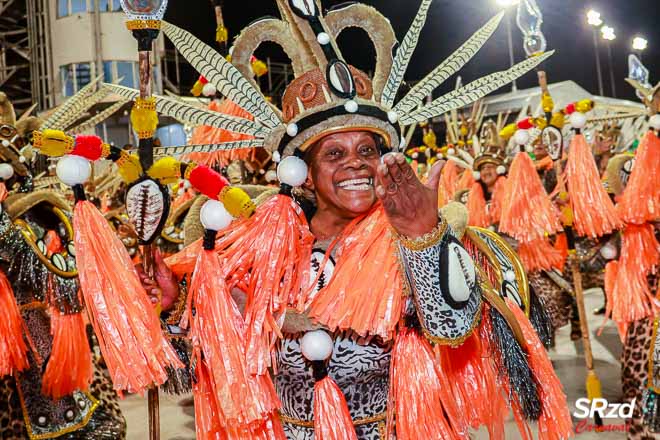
(555, 422)
(561, 245)
(527, 212)
(496, 200)
(13, 350)
(611, 274)
(332, 421)
(476, 206)
(207, 413)
(128, 329)
(594, 214)
(473, 381)
(632, 298)
(448, 183)
(211, 135)
(218, 333)
(365, 293)
(640, 201)
(540, 255)
(70, 365)
(465, 181)
(424, 404)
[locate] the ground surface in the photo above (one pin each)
(177, 414)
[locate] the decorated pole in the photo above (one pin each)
(147, 201)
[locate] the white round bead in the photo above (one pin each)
(262, 171)
(316, 345)
(271, 176)
(392, 116)
(476, 175)
(208, 89)
(323, 38)
(439, 155)
(509, 276)
(21, 159)
(654, 121)
(578, 120)
(415, 155)
(73, 170)
(292, 171)
(6, 171)
(292, 129)
(521, 137)
(214, 216)
(451, 151)
(276, 156)
(501, 169)
(5, 143)
(351, 106)
(608, 251)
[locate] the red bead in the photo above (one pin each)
(88, 146)
(525, 124)
(207, 181)
(570, 108)
(202, 80)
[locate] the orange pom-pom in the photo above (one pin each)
(540, 254)
(124, 320)
(476, 206)
(332, 421)
(555, 422)
(366, 291)
(594, 214)
(527, 212)
(70, 365)
(13, 350)
(640, 201)
(425, 406)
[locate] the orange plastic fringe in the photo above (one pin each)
(332, 421)
(640, 201)
(594, 214)
(268, 256)
(421, 392)
(366, 291)
(474, 384)
(476, 206)
(611, 273)
(13, 350)
(3, 192)
(217, 332)
(211, 135)
(128, 329)
(540, 255)
(632, 298)
(561, 245)
(465, 181)
(555, 422)
(70, 365)
(496, 200)
(527, 212)
(448, 183)
(207, 413)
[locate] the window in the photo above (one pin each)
(78, 6)
(69, 7)
(74, 77)
(62, 8)
(127, 70)
(104, 5)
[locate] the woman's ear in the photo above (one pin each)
(309, 182)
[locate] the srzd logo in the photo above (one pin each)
(606, 410)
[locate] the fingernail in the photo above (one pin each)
(400, 158)
(380, 191)
(382, 169)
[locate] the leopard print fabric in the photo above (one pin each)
(107, 422)
(634, 374)
(557, 302)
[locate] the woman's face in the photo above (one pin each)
(342, 172)
(488, 173)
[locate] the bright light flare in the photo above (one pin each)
(506, 3)
(639, 43)
(593, 18)
(608, 33)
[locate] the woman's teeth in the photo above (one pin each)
(356, 184)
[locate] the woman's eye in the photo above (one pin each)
(367, 149)
(334, 153)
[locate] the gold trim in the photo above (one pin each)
(425, 241)
(455, 341)
(518, 269)
(34, 305)
(382, 417)
(344, 129)
(133, 25)
(654, 335)
(189, 169)
(67, 430)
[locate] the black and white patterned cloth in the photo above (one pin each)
(447, 300)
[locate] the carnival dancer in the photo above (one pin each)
(51, 383)
(352, 351)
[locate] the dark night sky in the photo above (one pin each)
(451, 22)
